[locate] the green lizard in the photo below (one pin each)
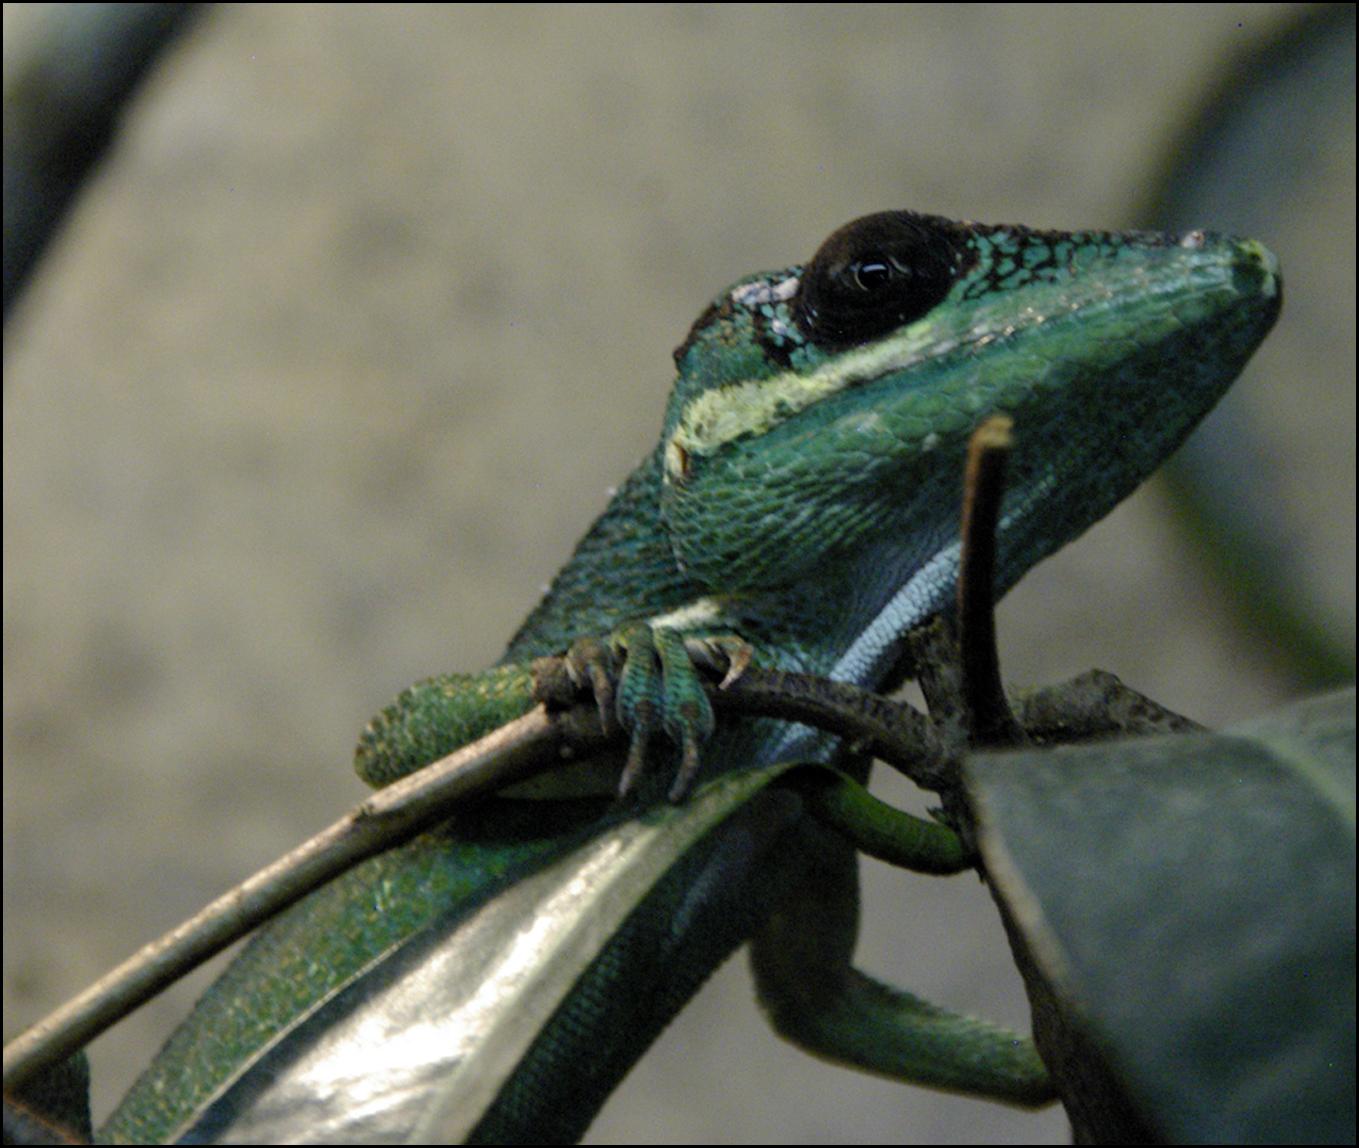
(801, 506)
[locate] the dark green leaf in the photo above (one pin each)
(1190, 901)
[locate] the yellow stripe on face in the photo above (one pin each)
(753, 408)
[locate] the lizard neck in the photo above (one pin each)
(622, 570)
(846, 623)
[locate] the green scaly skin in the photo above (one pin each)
(803, 498)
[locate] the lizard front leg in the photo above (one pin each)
(642, 679)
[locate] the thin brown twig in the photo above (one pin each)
(990, 721)
(512, 753)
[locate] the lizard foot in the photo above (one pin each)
(656, 690)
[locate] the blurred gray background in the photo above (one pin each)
(342, 347)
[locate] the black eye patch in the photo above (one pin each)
(874, 275)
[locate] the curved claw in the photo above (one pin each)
(721, 652)
(639, 698)
(589, 661)
(688, 770)
(635, 765)
(687, 713)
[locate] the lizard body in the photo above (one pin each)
(803, 498)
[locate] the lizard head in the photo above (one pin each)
(821, 412)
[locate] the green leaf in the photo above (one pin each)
(1190, 903)
(423, 1041)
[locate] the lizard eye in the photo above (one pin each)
(874, 275)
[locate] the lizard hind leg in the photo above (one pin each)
(815, 998)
